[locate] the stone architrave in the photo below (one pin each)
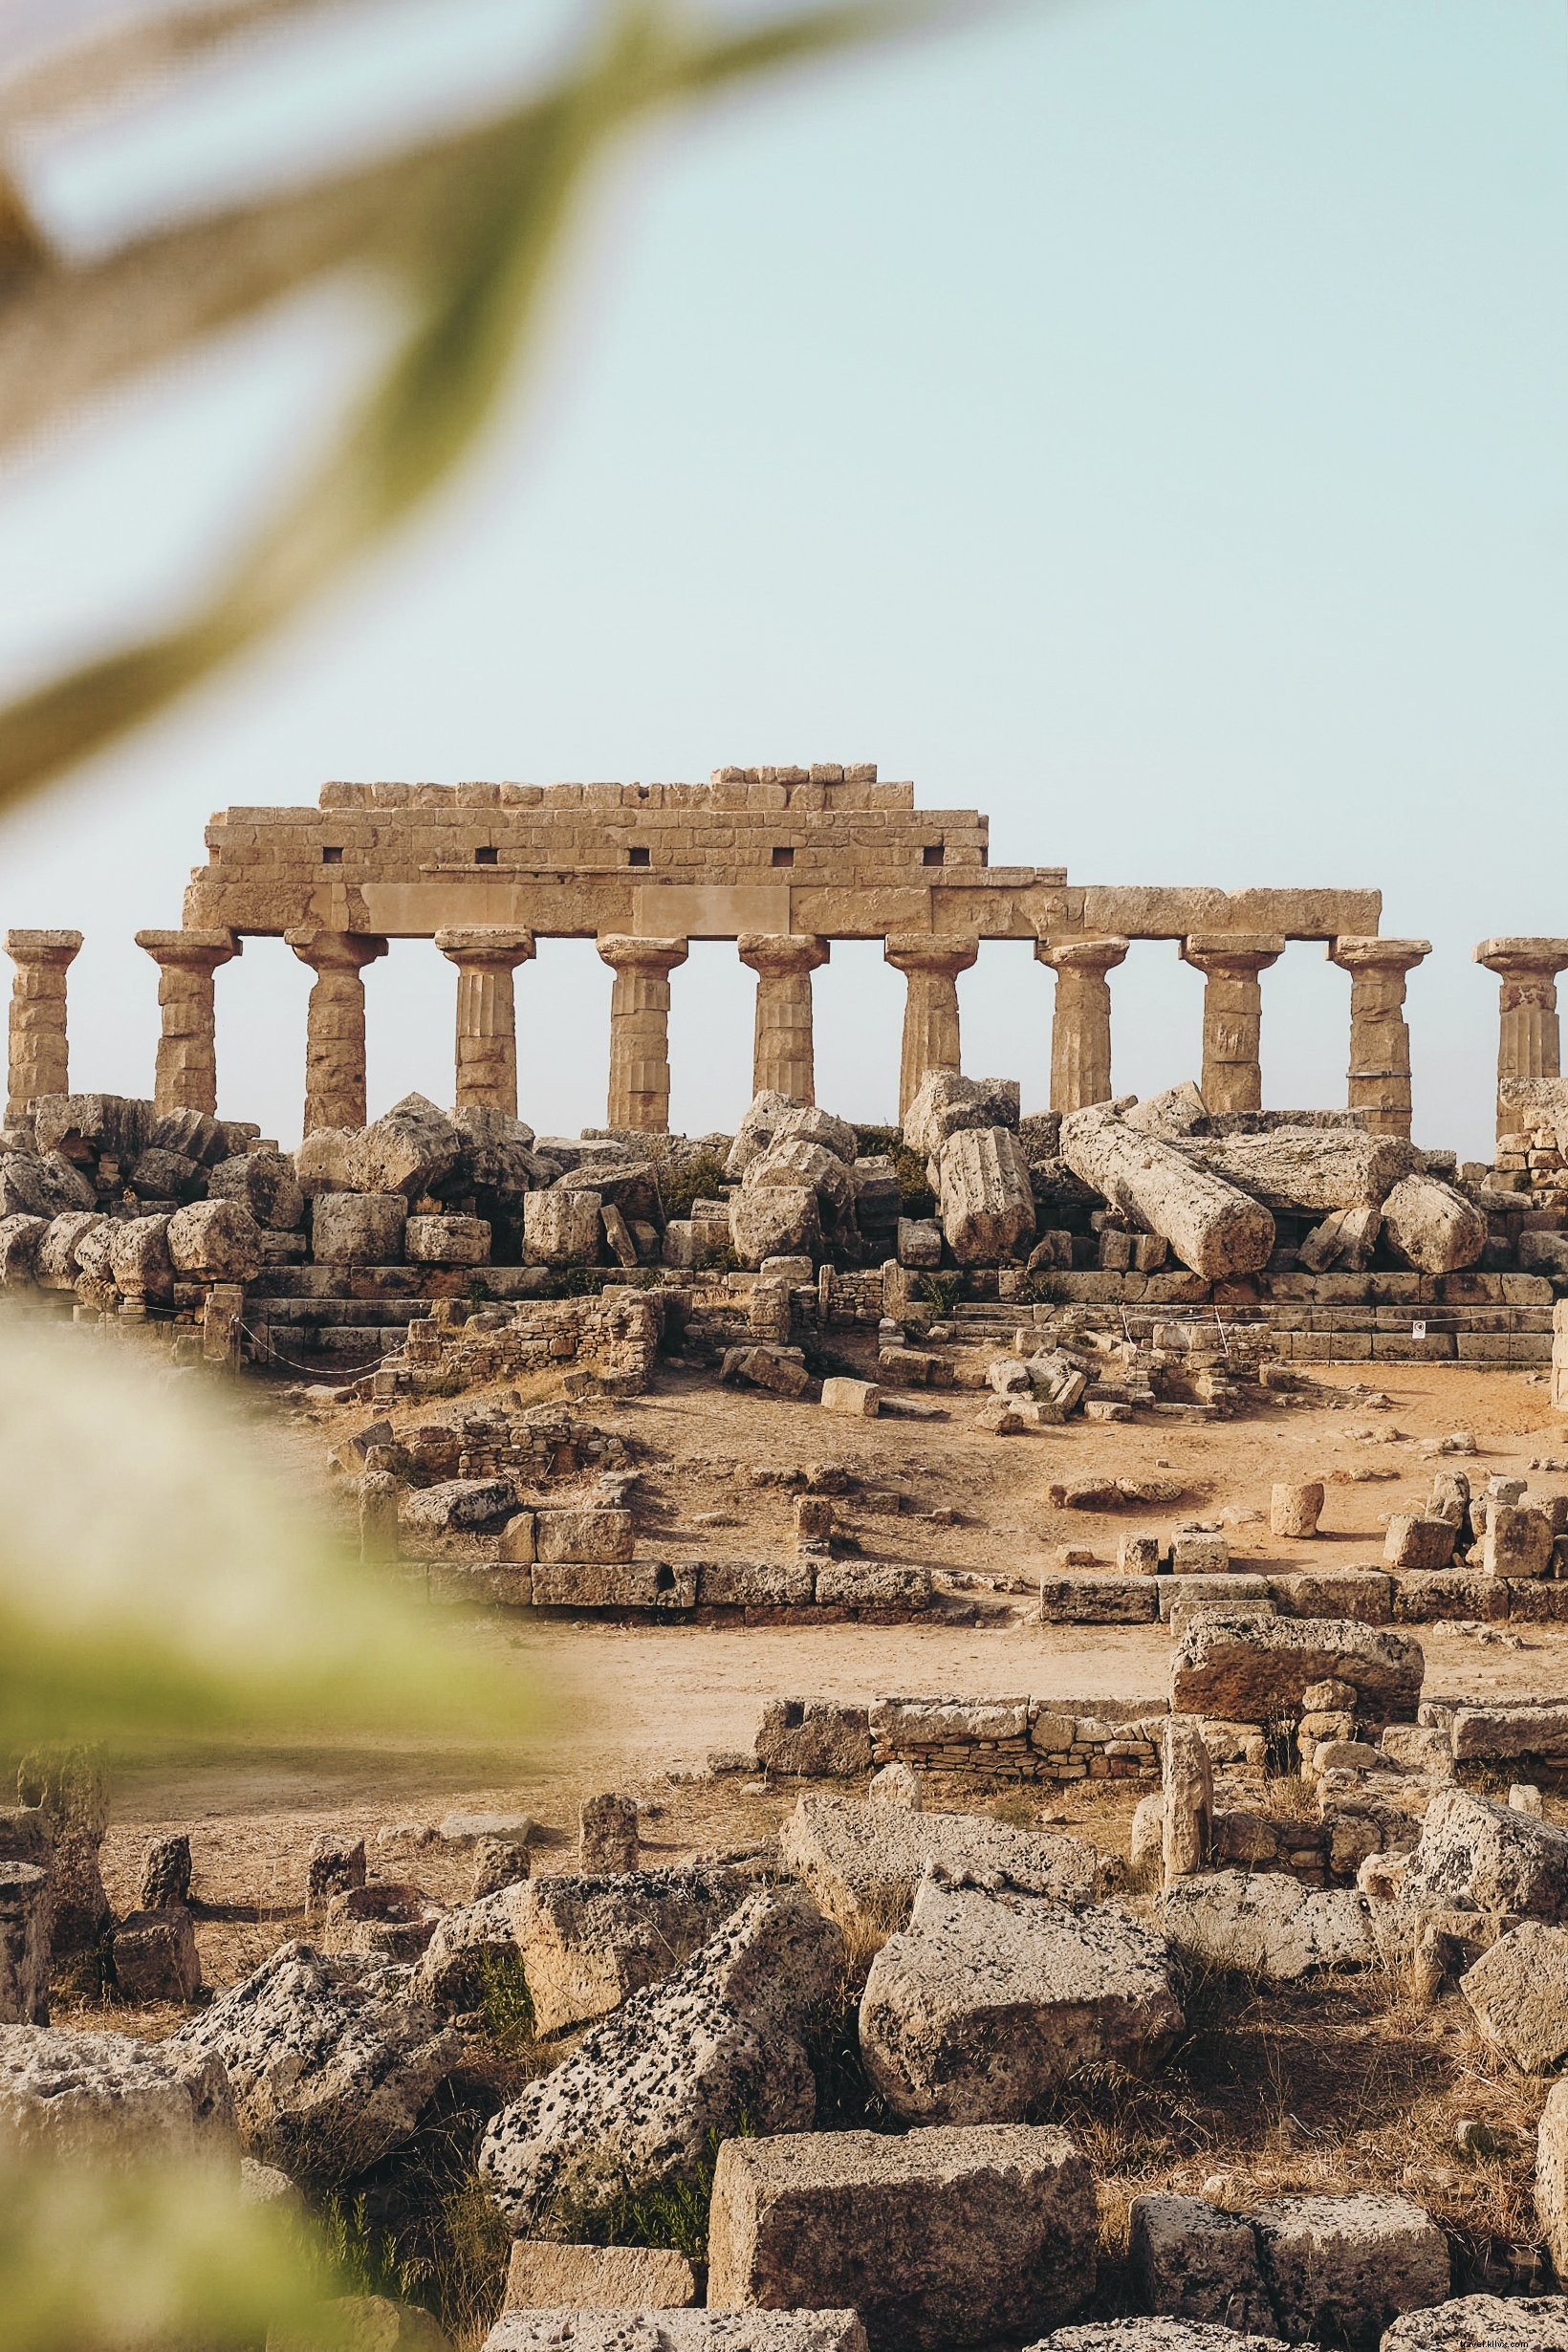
(1528, 1039)
(784, 1060)
(1233, 1013)
(187, 1076)
(486, 1049)
(1080, 1027)
(39, 1059)
(334, 1024)
(640, 1029)
(1380, 1036)
(931, 962)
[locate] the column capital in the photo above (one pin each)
(1232, 951)
(483, 944)
(625, 952)
(777, 953)
(336, 950)
(1523, 959)
(190, 950)
(56, 947)
(1375, 953)
(1098, 955)
(943, 952)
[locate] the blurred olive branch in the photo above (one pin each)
(470, 224)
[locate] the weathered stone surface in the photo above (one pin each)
(1266, 1925)
(358, 1229)
(985, 1195)
(334, 1864)
(1296, 1507)
(264, 1183)
(855, 1400)
(1189, 2260)
(863, 1862)
(1343, 2268)
(583, 1533)
(1518, 1992)
(456, 1506)
(676, 2331)
(215, 1241)
(814, 1739)
(448, 1241)
(24, 1944)
(330, 2068)
(1484, 2323)
(639, 2100)
(608, 1835)
(942, 2238)
(140, 1264)
(1311, 1169)
(859, 1584)
(989, 2000)
(408, 1150)
(1155, 2334)
(775, 1220)
(20, 1241)
(1416, 1540)
(562, 1228)
(625, 1584)
(589, 1942)
(543, 2275)
(165, 1872)
(111, 2098)
(1254, 1670)
(1473, 1855)
(1186, 1792)
(1432, 1227)
(795, 1162)
(1519, 1541)
(69, 1788)
(948, 1103)
(42, 1185)
(1551, 2176)
(1213, 1227)
(362, 2323)
(896, 1784)
(466, 1944)
(55, 1265)
(1498, 1734)
(754, 1584)
(155, 1956)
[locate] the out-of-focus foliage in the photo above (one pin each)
(469, 226)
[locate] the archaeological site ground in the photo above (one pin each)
(1040, 1640)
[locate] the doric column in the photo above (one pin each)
(39, 1059)
(487, 1012)
(783, 1056)
(187, 1076)
(1080, 1026)
(1529, 1041)
(1232, 1014)
(931, 962)
(334, 1026)
(640, 1029)
(1380, 1036)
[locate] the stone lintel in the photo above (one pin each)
(1511, 956)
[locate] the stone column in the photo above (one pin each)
(1529, 1041)
(1380, 1036)
(39, 1061)
(487, 1012)
(931, 962)
(1232, 1014)
(1080, 1027)
(335, 1032)
(640, 1029)
(783, 1056)
(187, 1076)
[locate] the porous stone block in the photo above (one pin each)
(68, 2097)
(748, 1583)
(584, 1534)
(561, 1228)
(625, 1584)
(873, 1585)
(661, 2330)
(863, 1863)
(1519, 1542)
(543, 2275)
(1484, 2323)
(155, 1956)
(1099, 1600)
(1417, 1540)
(607, 1833)
(1190, 2260)
(1473, 1855)
(589, 1941)
(1255, 1669)
(856, 1400)
(1295, 1507)
(816, 1739)
(1518, 1993)
(1343, 2268)
(1266, 1925)
(448, 1241)
(24, 1944)
(358, 1229)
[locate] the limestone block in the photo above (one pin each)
(695, 1241)
(814, 1739)
(1518, 1992)
(1476, 1856)
(794, 1162)
(1551, 2176)
(763, 1119)
(1294, 1508)
(750, 1583)
(1343, 2268)
(1099, 1600)
(1497, 1735)
(947, 1103)
(852, 1583)
(644, 2095)
(113, 2098)
(544, 2275)
(42, 1185)
(140, 1261)
(1266, 1925)
(985, 1194)
(328, 1160)
(1254, 1670)
(20, 1240)
(164, 1176)
(24, 1944)
(896, 1784)
(215, 1241)
(1432, 1227)
(69, 1786)
(266, 1183)
(358, 1228)
(920, 1242)
(940, 2238)
(775, 1220)
(863, 1862)
(561, 1229)
(1190, 2260)
(625, 1584)
(456, 1506)
(165, 1872)
(1186, 1790)
(588, 1943)
(1484, 2323)
(446, 1241)
(855, 1400)
(155, 1956)
(583, 1533)
(1519, 1542)
(1194, 1554)
(1212, 1226)
(408, 1150)
(362, 2323)
(989, 2000)
(660, 2330)
(1137, 1553)
(55, 1265)
(607, 1832)
(1311, 1169)
(1417, 1540)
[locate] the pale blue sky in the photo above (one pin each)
(1144, 420)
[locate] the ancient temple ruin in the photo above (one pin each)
(783, 861)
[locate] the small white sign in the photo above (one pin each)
(1418, 1331)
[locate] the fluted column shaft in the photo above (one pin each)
(334, 1024)
(186, 1075)
(1528, 1039)
(1232, 1014)
(931, 962)
(640, 1029)
(783, 1054)
(1379, 1034)
(39, 1057)
(484, 1052)
(1081, 1024)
